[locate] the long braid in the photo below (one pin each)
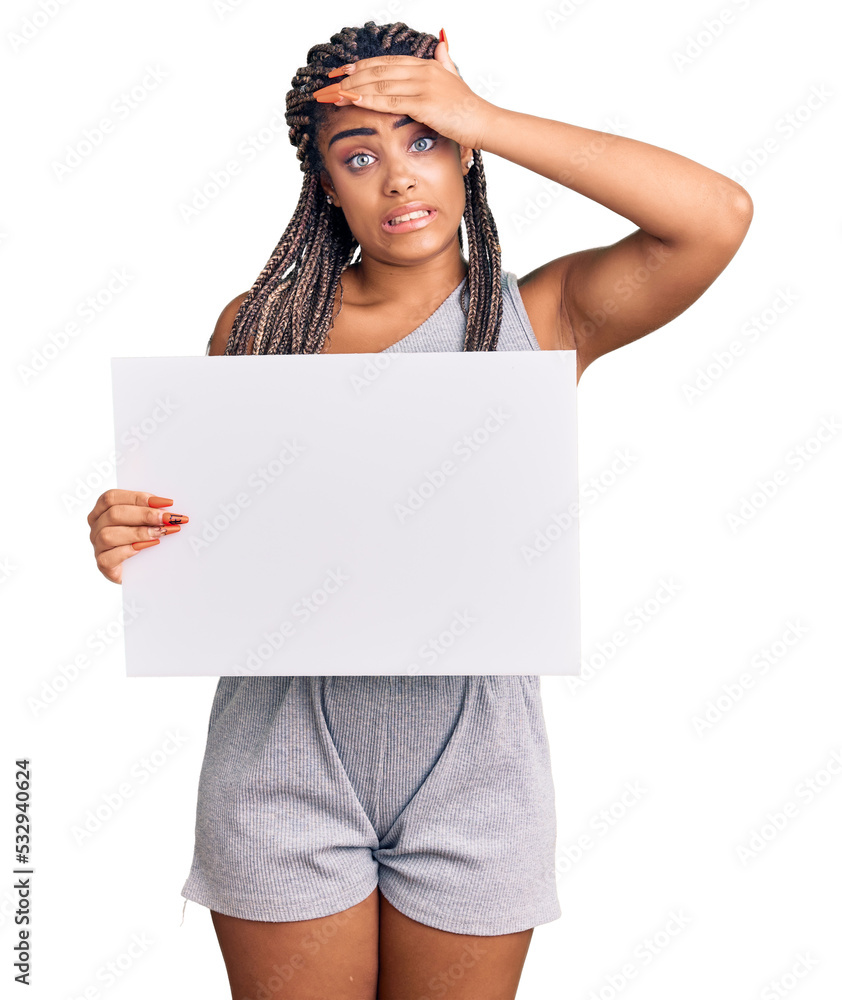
(485, 312)
(289, 308)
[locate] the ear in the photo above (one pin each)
(327, 187)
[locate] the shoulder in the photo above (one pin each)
(222, 330)
(542, 292)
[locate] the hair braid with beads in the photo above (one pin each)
(289, 308)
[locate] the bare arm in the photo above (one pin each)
(691, 221)
(222, 330)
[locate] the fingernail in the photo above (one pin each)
(174, 519)
(351, 96)
(143, 545)
(326, 93)
(159, 502)
(443, 38)
(345, 70)
(159, 532)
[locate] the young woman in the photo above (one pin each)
(393, 837)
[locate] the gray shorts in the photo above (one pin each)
(314, 790)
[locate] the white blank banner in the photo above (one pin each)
(353, 513)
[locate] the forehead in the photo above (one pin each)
(361, 122)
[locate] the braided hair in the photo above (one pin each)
(289, 308)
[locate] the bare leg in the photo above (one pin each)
(334, 956)
(418, 962)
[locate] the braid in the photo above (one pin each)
(484, 269)
(289, 308)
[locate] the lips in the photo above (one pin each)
(413, 206)
(409, 225)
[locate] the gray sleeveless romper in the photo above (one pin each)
(315, 790)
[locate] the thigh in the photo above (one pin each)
(333, 956)
(418, 962)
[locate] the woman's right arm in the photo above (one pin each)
(124, 522)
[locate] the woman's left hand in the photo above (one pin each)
(429, 90)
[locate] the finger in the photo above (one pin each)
(349, 69)
(120, 535)
(442, 55)
(131, 515)
(111, 497)
(390, 104)
(116, 544)
(405, 77)
(110, 562)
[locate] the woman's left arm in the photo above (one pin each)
(691, 222)
(691, 219)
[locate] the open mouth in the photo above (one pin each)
(410, 220)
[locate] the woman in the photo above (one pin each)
(393, 837)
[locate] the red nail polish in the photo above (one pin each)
(443, 38)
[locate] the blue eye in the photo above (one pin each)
(355, 156)
(421, 138)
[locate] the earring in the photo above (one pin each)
(329, 200)
(470, 163)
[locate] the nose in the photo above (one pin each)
(398, 175)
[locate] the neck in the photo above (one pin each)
(376, 282)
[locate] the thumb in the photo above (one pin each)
(443, 57)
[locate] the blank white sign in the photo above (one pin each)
(353, 513)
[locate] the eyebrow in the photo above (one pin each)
(406, 120)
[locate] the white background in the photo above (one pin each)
(699, 798)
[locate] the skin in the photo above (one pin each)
(401, 278)
(691, 221)
(370, 951)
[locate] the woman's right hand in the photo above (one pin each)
(123, 522)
